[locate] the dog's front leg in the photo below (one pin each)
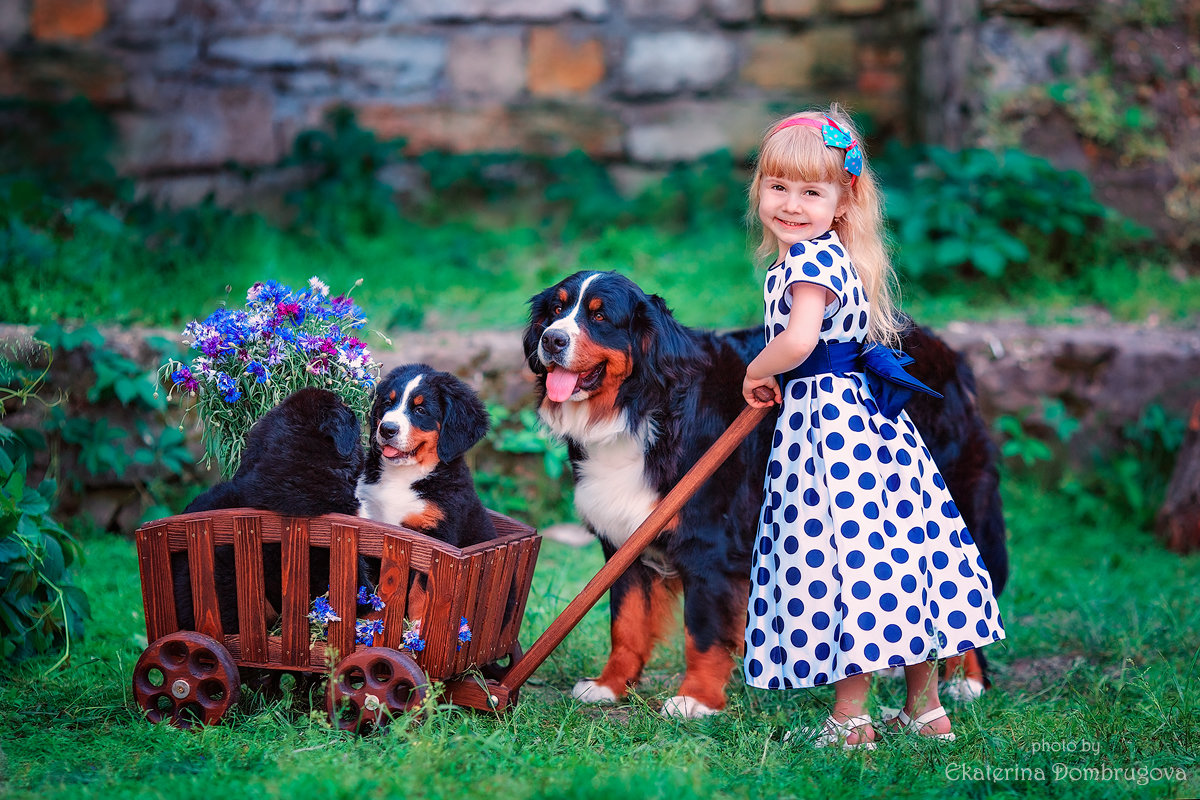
(642, 607)
(713, 613)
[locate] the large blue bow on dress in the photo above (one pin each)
(891, 385)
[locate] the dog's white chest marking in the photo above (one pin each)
(611, 492)
(392, 500)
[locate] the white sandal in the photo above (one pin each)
(833, 733)
(909, 725)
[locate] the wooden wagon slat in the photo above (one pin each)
(247, 556)
(470, 610)
(158, 593)
(495, 592)
(393, 588)
(204, 589)
(522, 577)
(440, 624)
(343, 589)
(294, 555)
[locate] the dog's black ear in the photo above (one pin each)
(342, 427)
(665, 346)
(464, 422)
(539, 318)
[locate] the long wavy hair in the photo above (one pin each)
(799, 153)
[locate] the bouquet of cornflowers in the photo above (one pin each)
(251, 359)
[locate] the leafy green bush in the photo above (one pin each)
(1125, 479)
(342, 192)
(527, 478)
(145, 447)
(1010, 217)
(40, 607)
(1129, 479)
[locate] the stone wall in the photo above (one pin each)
(196, 84)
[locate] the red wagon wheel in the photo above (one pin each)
(369, 686)
(187, 679)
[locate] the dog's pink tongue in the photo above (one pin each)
(560, 384)
(389, 451)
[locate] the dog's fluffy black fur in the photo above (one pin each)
(638, 398)
(303, 458)
(422, 422)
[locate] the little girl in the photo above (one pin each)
(863, 561)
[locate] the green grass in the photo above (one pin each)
(1102, 650)
(465, 272)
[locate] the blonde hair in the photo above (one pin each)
(799, 153)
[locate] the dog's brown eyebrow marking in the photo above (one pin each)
(595, 304)
(392, 394)
(562, 295)
(418, 400)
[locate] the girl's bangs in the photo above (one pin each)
(800, 154)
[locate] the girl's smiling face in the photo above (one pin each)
(797, 210)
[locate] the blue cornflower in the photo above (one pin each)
(232, 326)
(365, 631)
(368, 598)
(228, 388)
(412, 638)
(322, 612)
(258, 371)
(464, 632)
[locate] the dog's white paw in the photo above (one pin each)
(890, 672)
(686, 707)
(592, 692)
(963, 690)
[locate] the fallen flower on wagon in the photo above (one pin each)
(252, 358)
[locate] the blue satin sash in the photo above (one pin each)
(883, 367)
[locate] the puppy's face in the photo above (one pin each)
(422, 416)
(581, 336)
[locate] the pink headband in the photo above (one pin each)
(833, 136)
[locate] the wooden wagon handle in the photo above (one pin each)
(641, 538)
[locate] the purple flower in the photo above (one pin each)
(184, 379)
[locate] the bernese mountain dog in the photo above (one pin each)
(303, 458)
(638, 397)
(422, 422)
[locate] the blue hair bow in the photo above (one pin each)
(836, 137)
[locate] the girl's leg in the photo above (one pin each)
(922, 681)
(850, 700)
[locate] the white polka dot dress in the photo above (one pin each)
(862, 560)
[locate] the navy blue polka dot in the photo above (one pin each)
(892, 633)
(855, 559)
(840, 471)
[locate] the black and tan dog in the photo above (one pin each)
(422, 422)
(638, 398)
(303, 458)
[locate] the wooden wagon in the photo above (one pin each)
(192, 676)
(187, 677)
